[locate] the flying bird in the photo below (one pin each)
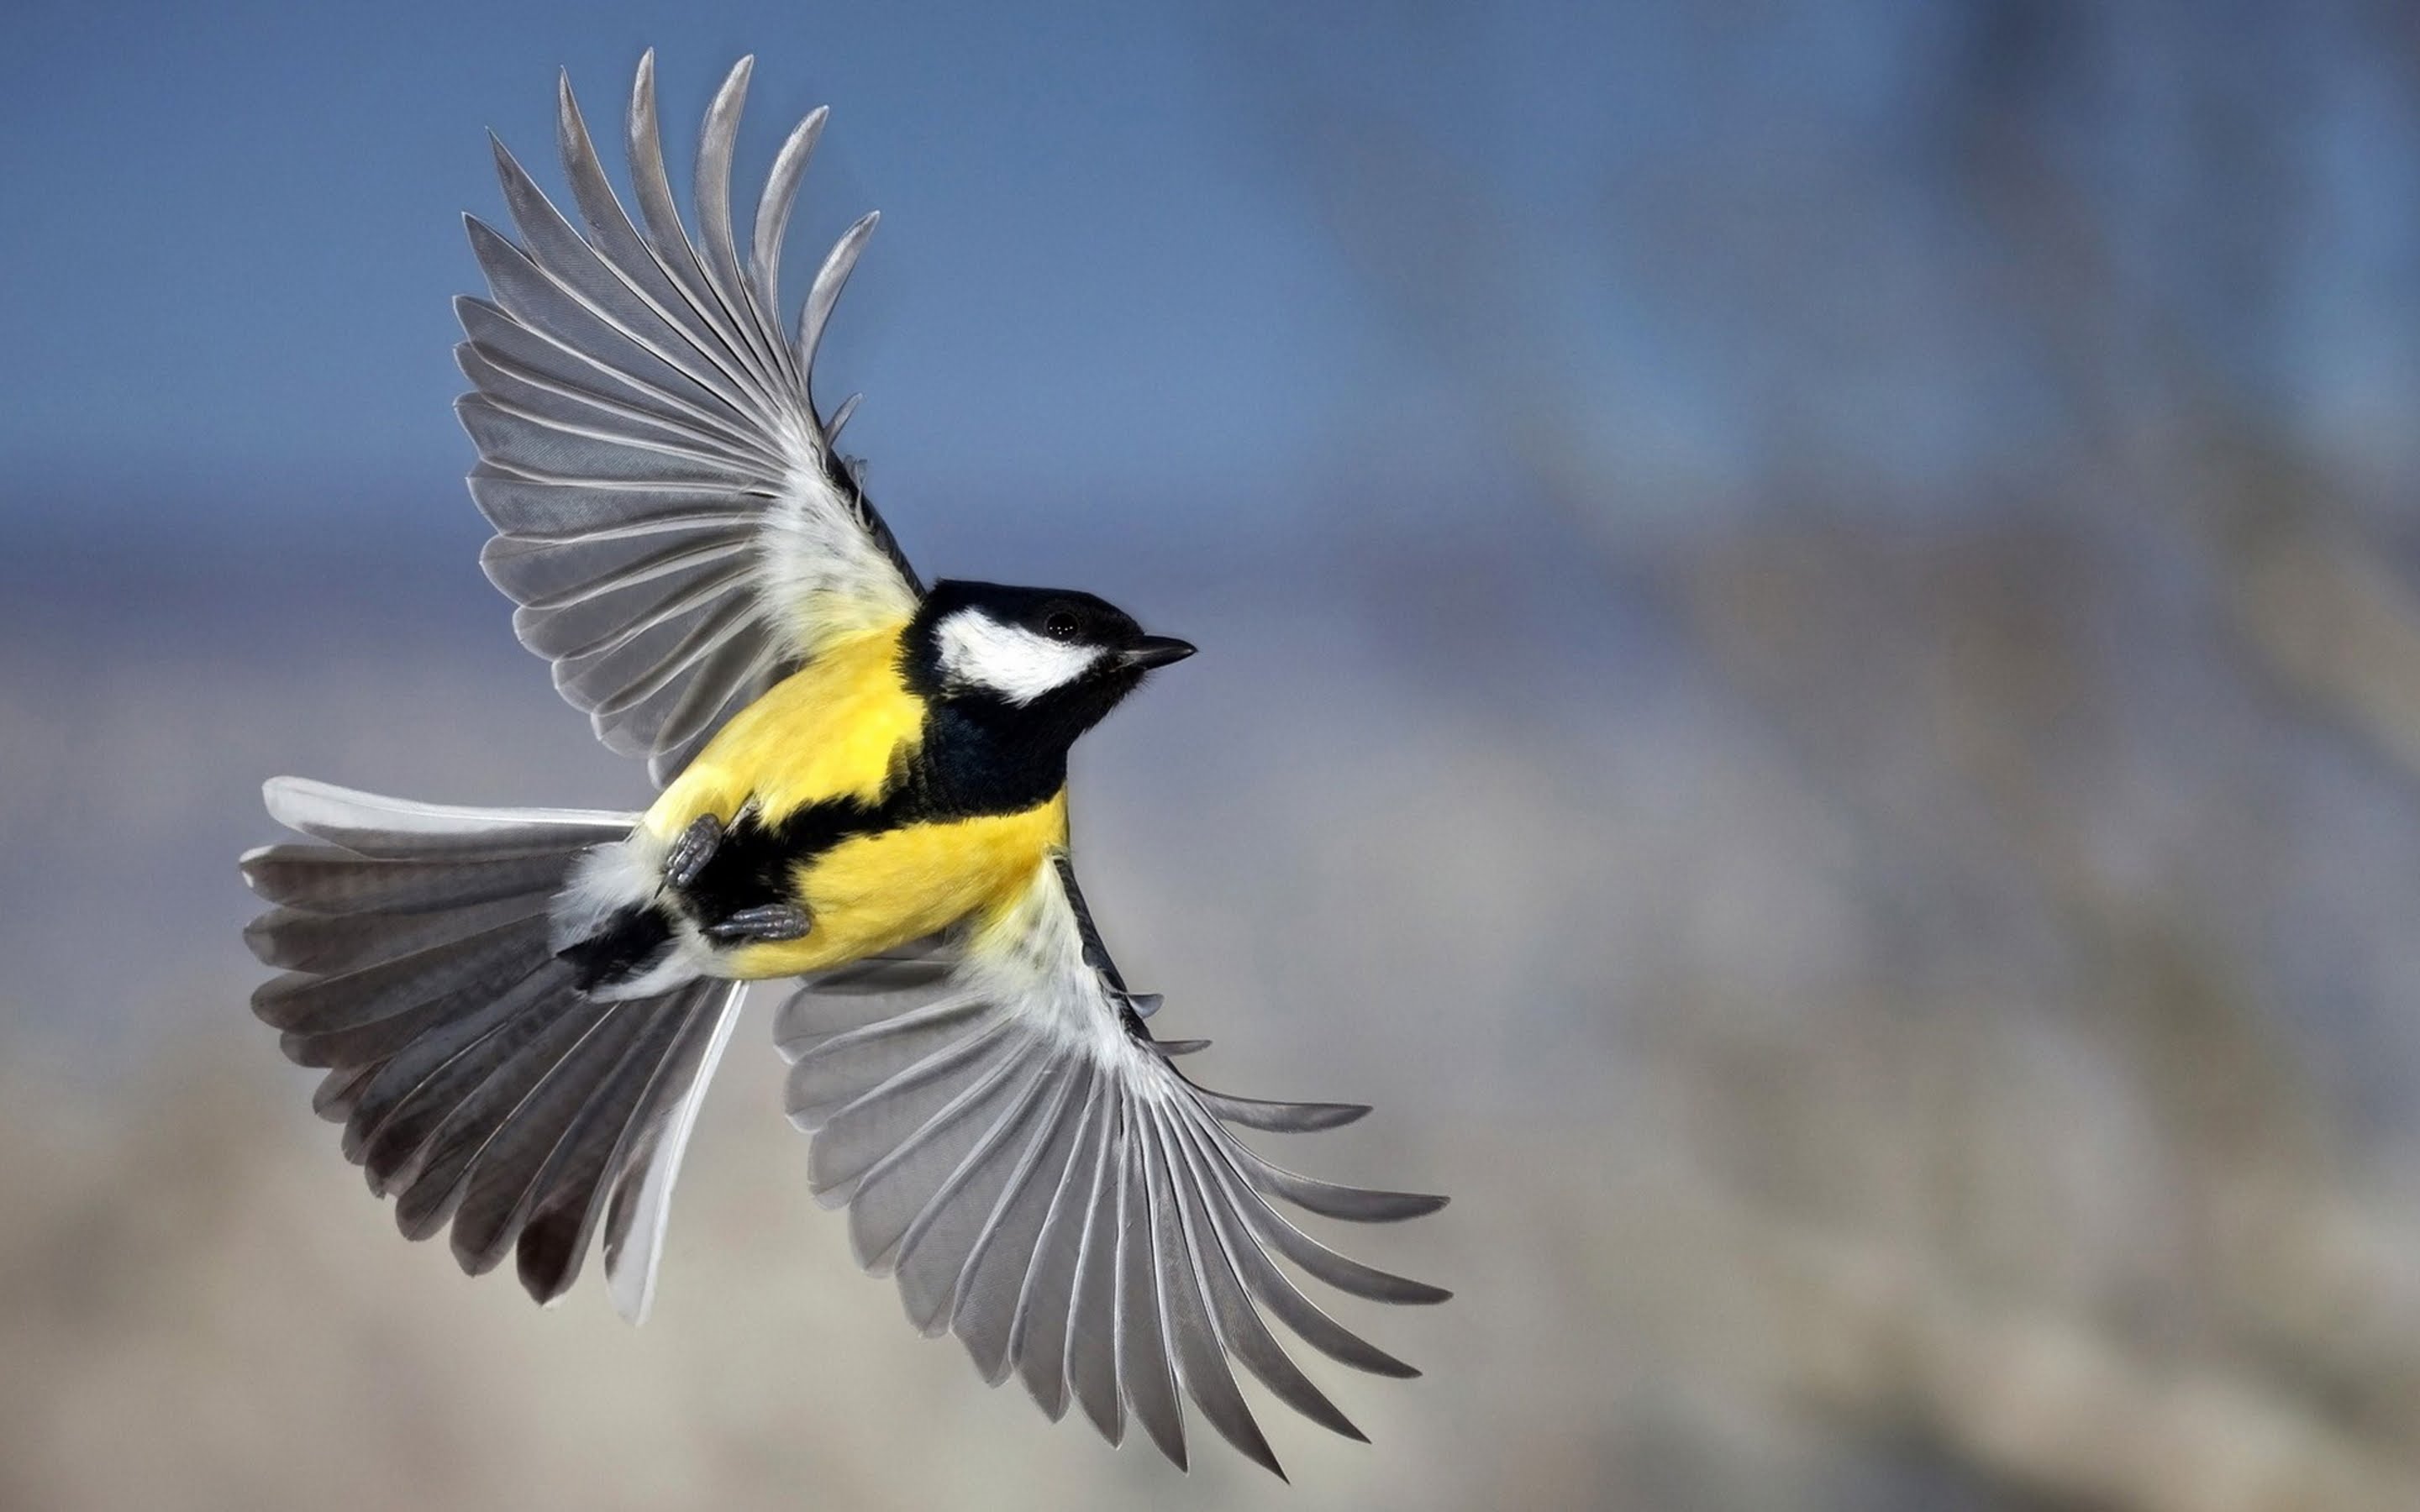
(861, 783)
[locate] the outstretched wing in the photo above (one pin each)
(1019, 1152)
(671, 517)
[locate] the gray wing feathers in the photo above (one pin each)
(891, 1118)
(729, 678)
(1241, 1332)
(1145, 1372)
(938, 1250)
(1090, 1359)
(773, 214)
(712, 184)
(918, 1172)
(984, 1302)
(477, 1084)
(1355, 1204)
(1062, 1200)
(1274, 1117)
(830, 279)
(672, 520)
(1045, 1287)
(1198, 1346)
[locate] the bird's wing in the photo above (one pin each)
(671, 517)
(1018, 1151)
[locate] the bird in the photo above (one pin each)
(861, 783)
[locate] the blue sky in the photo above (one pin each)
(234, 233)
(1160, 252)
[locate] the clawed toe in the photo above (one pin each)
(763, 924)
(692, 850)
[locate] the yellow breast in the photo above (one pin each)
(836, 728)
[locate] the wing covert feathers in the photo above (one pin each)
(1020, 1156)
(476, 1085)
(672, 518)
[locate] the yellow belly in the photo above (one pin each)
(874, 892)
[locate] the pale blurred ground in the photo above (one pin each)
(1841, 757)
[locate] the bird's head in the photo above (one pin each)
(1053, 660)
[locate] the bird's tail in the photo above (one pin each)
(477, 1082)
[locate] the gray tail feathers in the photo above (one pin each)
(476, 1083)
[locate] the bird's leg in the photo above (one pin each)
(691, 851)
(765, 923)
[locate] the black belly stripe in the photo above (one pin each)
(973, 763)
(966, 767)
(756, 860)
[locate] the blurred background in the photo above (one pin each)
(1811, 614)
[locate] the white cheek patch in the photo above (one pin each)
(1018, 665)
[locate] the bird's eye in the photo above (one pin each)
(1061, 625)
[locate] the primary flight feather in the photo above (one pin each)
(862, 784)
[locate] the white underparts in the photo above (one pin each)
(603, 882)
(690, 958)
(977, 650)
(627, 874)
(1033, 961)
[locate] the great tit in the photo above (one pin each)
(862, 784)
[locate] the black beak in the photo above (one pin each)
(1155, 651)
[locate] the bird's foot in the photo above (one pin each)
(691, 851)
(765, 924)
